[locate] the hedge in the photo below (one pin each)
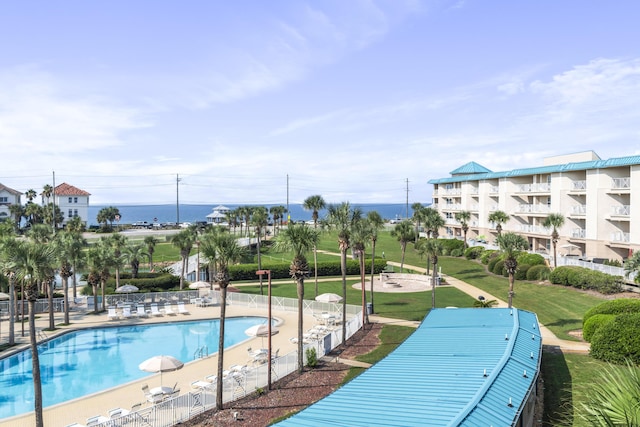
(583, 278)
(449, 245)
(488, 255)
(618, 341)
(521, 271)
(474, 252)
(594, 323)
(498, 268)
(616, 306)
(538, 272)
(242, 272)
(530, 259)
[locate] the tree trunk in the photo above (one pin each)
(52, 322)
(12, 311)
(65, 284)
(511, 280)
(343, 268)
(315, 266)
(434, 281)
(300, 324)
(373, 271)
(35, 360)
(223, 310)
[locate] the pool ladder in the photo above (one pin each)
(201, 352)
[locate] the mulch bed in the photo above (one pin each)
(294, 392)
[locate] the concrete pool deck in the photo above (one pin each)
(127, 395)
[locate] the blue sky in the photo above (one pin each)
(350, 99)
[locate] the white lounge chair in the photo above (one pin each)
(126, 312)
(112, 314)
(140, 311)
(168, 309)
(117, 413)
(96, 420)
(155, 311)
(182, 309)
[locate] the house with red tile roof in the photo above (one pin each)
(8, 197)
(72, 202)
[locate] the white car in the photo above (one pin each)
(185, 224)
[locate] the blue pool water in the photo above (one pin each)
(85, 362)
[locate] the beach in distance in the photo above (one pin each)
(192, 212)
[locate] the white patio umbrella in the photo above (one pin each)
(3, 296)
(127, 289)
(570, 246)
(161, 364)
(261, 330)
(328, 297)
(199, 284)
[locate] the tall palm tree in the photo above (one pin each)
(418, 217)
(34, 265)
(42, 234)
(47, 192)
(278, 215)
(511, 244)
(260, 219)
(17, 212)
(63, 244)
(342, 218)
(361, 234)
(151, 242)
(554, 221)
(463, 217)
(117, 242)
(100, 259)
(228, 251)
(184, 241)
(315, 204)
(8, 268)
(30, 195)
(376, 222)
(433, 222)
(403, 232)
(133, 254)
(498, 218)
(431, 249)
(77, 256)
(299, 239)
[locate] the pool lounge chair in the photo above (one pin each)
(96, 420)
(181, 308)
(112, 315)
(168, 309)
(117, 413)
(155, 311)
(140, 311)
(126, 312)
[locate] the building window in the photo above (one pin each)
(70, 199)
(4, 199)
(75, 200)
(70, 213)
(75, 213)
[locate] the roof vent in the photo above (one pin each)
(533, 337)
(532, 354)
(484, 374)
(510, 405)
(524, 375)
(506, 337)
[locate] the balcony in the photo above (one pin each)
(578, 233)
(452, 207)
(578, 210)
(451, 192)
(620, 236)
(533, 229)
(620, 185)
(579, 186)
(621, 210)
(494, 189)
(542, 187)
(533, 209)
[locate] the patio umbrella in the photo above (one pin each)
(329, 297)
(261, 330)
(161, 364)
(3, 296)
(126, 289)
(199, 284)
(570, 246)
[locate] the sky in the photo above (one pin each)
(269, 102)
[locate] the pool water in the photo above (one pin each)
(88, 361)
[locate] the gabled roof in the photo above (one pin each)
(566, 167)
(65, 189)
(10, 190)
(221, 208)
(471, 167)
(461, 367)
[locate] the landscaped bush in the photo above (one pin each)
(559, 275)
(492, 263)
(498, 268)
(616, 306)
(456, 253)
(592, 324)
(530, 259)
(618, 341)
(538, 272)
(473, 252)
(242, 272)
(488, 255)
(521, 271)
(449, 245)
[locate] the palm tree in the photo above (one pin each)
(133, 254)
(554, 221)
(632, 265)
(431, 249)
(260, 219)
(278, 215)
(342, 218)
(63, 244)
(510, 244)
(34, 266)
(17, 212)
(485, 303)
(498, 218)
(361, 234)
(151, 242)
(184, 241)
(8, 268)
(433, 222)
(314, 203)
(418, 216)
(227, 251)
(376, 222)
(77, 255)
(299, 239)
(403, 232)
(99, 259)
(463, 217)
(30, 195)
(75, 224)
(47, 192)
(117, 242)
(108, 215)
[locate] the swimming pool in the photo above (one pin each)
(88, 361)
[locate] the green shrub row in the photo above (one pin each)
(243, 272)
(474, 252)
(538, 272)
(616, 306)
(583, 278)
(449, 246)
(593, 323)
(618, 340)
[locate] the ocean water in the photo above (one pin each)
(193, 213)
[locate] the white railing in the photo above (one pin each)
(541, 187)
(452, 191)
(608, 269)
(579, 185)
(494, 207)
(529, 208)
(578, 233)
(621, 183)
(473, 190)
(452, 207)
(474, 207)
(621, 210)
(620, 236)
(537, 229)
(494, 189)
(579, 210)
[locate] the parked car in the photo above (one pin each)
(185, 224)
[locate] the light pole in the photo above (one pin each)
(268, 273)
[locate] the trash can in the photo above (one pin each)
(369, 308)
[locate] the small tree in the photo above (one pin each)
(463, 217)
(510, 244)
(403, 232)
(554, 221)
(498, 218)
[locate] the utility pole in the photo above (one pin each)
(53, 206)
(177, 201)
(288, 214)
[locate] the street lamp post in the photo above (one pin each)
(268, 273)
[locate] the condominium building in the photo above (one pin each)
(595, 196)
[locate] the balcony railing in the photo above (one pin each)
(536, 229)
(451, 191)
(620, 236)
(451, 207)
(621, 210)
(621, 183)
(542, 187)
(579, 210)
(579, 185)
(578, 233)
(528, 208)
(494, 189)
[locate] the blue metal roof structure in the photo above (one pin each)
(471, 167)
(461, 367)
(566, 167)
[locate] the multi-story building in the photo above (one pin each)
(599, 200)
(72, 202)
(8, 197)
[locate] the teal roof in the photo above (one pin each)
(566, 167)
(461, 367)
(471, 167)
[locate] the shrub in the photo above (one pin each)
(618, 341)
(559, 275)
(530, 259)
(456, 253)
(538, 272)
(521, 271)
(498, 268)
(492, 263)
(591, 325)
(616, 306)
(474, 252)
(450, 245)
(312, 357)
(488, 255)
